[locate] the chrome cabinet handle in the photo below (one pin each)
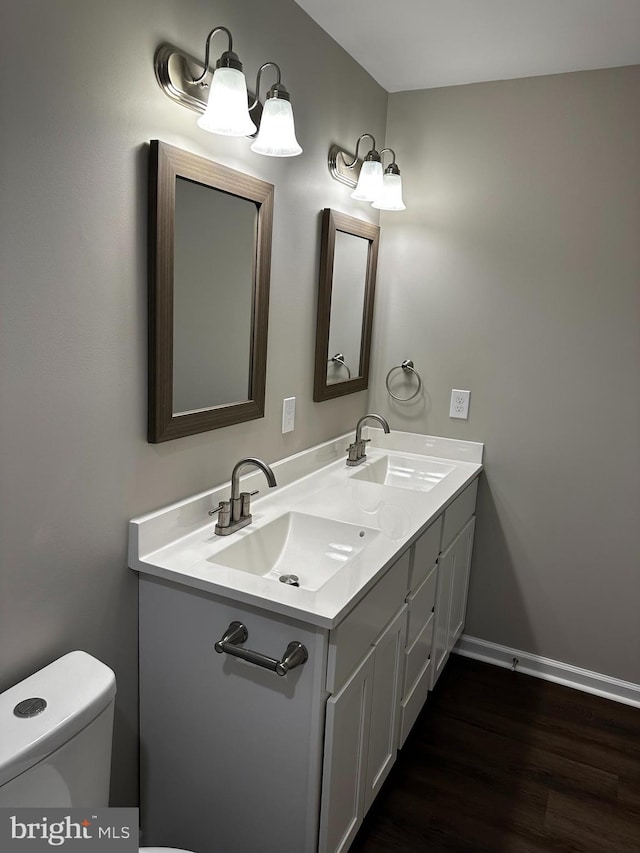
(295, 654)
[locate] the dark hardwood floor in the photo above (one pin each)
(506, 763)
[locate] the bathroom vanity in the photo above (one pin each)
(235, 756)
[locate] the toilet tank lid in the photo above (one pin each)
(76, 688)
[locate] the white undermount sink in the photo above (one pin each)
(309, 547)
(404, 472)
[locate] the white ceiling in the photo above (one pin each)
(421, 44)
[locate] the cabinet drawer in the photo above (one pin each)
(349, 642)
(416, 656)
(425, 553)
(421, 605)
(413, 703)
(458, 513)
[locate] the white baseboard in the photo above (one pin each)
(550, 670)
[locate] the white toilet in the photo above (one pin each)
(55, 737)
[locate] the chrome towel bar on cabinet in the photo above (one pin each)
(295, 655)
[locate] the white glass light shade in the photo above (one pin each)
(370, 181)
(227, 111)
(277, 134)
(391, 196)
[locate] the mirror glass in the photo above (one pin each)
(209, 264)
(214, 251)
(348, 261)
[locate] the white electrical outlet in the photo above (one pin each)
(288, 414)
(459, 404)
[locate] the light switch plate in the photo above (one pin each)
(459, 404)
(288, 414)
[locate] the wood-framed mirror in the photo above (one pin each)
(348, 265)
(209, 269)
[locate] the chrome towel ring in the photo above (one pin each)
(407, 367)
(338, 358)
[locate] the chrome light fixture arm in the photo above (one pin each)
(276, 91)
(372, 155)
(392, 168)
(229, 59)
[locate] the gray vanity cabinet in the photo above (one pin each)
(437, 601)
(347, 727)
(454, 564)
(234, 757)
(385, 704)
(234, 753)
(230, 753)
(420, 601)
(440, 649)
(361, 738)
(372, 712)
(460, 586)
(361, 732)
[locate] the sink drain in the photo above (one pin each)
(290, 580)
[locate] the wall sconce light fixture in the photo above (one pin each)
(228, 110)
(391, 196)
(277, 134)
(382, 188)
(369, 185)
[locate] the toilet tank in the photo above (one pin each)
(55, 736)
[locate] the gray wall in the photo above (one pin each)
(515, 273)
(79, 102)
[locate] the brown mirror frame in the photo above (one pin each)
(166, 164)
(332, 221)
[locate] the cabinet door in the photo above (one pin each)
(440, 649)
(460, 586)
(385, 704)
(345, 759)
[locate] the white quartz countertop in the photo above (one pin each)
(178, 543)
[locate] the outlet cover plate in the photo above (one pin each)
(459, 407)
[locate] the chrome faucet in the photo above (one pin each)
(356, 450)
(235, 513)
